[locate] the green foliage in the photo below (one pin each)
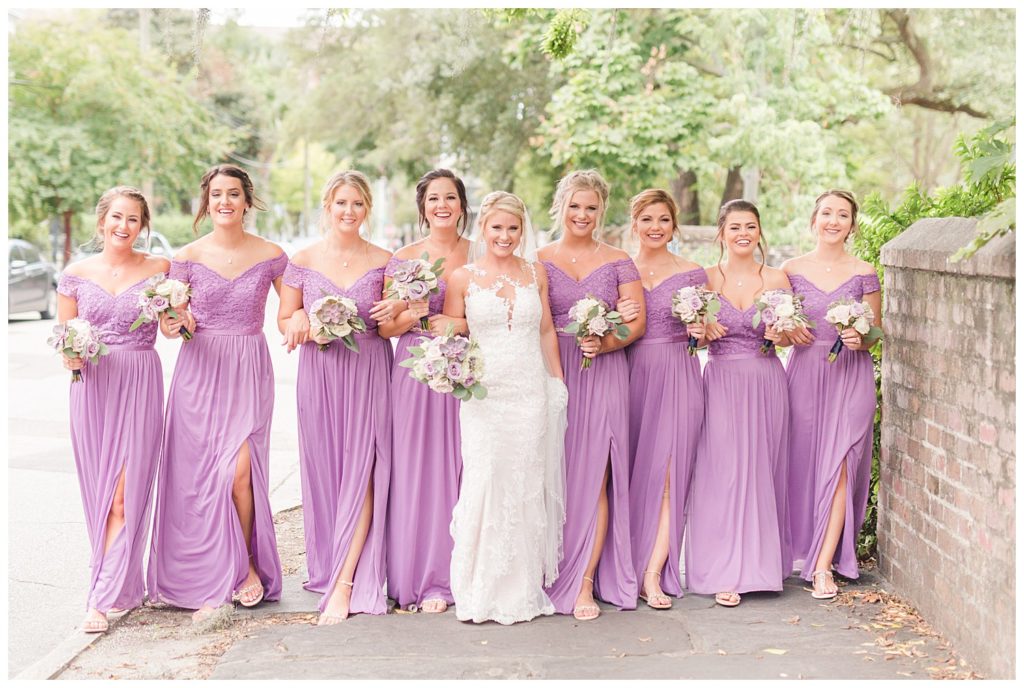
(867, 539)
(81, 119)
(563, 31)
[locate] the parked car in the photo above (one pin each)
(156, 244)
(31, 280)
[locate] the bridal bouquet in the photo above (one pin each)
(77, 338)
(450, 364)
(692, 305)
(336, 317)
(849, 313)
(162, 295)
(781, 310)
(590, 316)
(416, 279)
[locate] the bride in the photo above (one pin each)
(507, 524)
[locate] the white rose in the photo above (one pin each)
(598, 326)
(785, 310)
(862, 326)
(839, 314)
(164, 289)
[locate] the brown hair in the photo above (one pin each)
(107, 199)
(846, 196)
(352, 178)
(738, 205)
(204, 195)
(421, 197)
(649, 197)
(580, 180)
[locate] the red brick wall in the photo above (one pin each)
(947, 489)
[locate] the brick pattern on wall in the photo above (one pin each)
(946, 525)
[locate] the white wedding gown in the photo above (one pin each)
(507, 524)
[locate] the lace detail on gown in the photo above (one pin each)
(508, 521)
(113, 315)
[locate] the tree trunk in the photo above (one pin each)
(67, 236)
(751, 183)
(684, 190)
(733, 185)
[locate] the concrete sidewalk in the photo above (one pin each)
(865, 633)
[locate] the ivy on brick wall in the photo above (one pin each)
(988, 161)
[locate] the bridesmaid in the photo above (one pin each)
(666, 405)
(736, 534)
(344, 407)
(832, 404)
(426, 462)
(117, 408)
(213, 534)
(597, 557)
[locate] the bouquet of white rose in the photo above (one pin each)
(336, 317)
(591, 317)
(782, 310)
(693, 304)
(162, 295)
(78, 338)
(849, 313)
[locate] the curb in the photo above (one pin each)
(66, 652)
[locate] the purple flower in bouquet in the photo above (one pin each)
(846, 313)
(162, 295)
(781, 310)
(336, 317)
(591, 317)
(449, 364)
(693, 305)
(415, 280)
(77, 338)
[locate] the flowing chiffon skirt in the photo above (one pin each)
(426, 465)
(666, 411)
(344, 415)
(736, 536)
(597, 436)
(222, 395)
(116, 422)
(832, 408)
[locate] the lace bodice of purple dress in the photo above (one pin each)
(315, 285)
(235, 305)
(436, 300)
(660, 320)
(602, 283)
(816, 301)
(112, 315)
(742, 337)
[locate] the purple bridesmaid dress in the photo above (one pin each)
(222, 394)
(426, 469)
(736, 535)
(116, 420)
(666, 410)
(597, 434)
(832, 407)
(344, 414)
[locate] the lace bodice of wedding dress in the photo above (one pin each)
(508, 520)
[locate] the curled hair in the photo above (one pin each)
(421, 197)
(649, 197)
(846, 196)
(580, 180)
(353, 178)
(204, 191)
(107, 199)
(738, 205)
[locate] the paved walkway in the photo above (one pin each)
(865, 633)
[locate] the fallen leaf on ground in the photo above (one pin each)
(775, 651)
(645, 639)
(793, 620)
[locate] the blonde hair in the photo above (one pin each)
(352, 178)
(501, 201)
(580, 180)
(107, 200)
(649, 197)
